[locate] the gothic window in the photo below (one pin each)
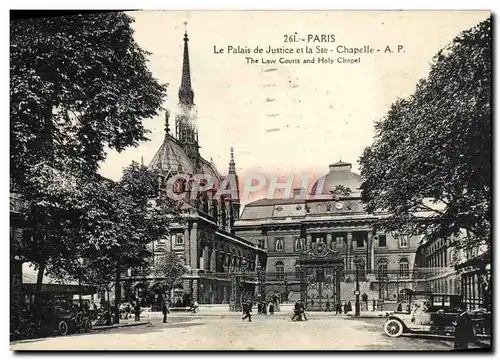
(404, 268)
(279, 244)
(280, 270)
(403, 241)
(382, 240)
(382, 268)
(297, 241)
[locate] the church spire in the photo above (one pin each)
(232, 165)
(186, 94)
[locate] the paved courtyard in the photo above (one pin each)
(231, 333)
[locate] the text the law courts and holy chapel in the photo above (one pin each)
(250, 180)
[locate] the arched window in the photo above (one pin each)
(404, 295)
(382, 268)
(404, 268)
(279, 244)
(280, 270)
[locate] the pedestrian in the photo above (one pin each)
(464, 331)
(303, 310)
(296, 311)
(137, 312)
(264, 308)
(338, 308)
(349, 306)
(165, 310)
(259, 307)
(346, 308)
(271, 309)
(374, 305)
(328, 306)
(247, 309)
(127, 311)
(400, 307)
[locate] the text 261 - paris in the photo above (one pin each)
(310, 38)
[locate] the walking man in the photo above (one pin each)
(165, 310)
(247, 309)
(137, 311)
(464, 331)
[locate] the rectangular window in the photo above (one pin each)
(382, 241)
(297, 272)
(359, 239)
(404, 269)
(261, 244)
(403, 241)
(279, 244)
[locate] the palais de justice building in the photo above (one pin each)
(314, 226)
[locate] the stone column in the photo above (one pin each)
(206, 258)
(309, 242)
(213, 260)
(369, 254)
(195, 290)
(329, 240)
(191, 239)
(168, 243)
(349, 251)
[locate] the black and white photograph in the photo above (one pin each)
(195, 180)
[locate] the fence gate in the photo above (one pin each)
(320, 277)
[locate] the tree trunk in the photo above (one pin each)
(80, 301)
(39, 281)
(117, 295)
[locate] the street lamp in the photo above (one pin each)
(243, 267)
(260, 278)
(357, 263)
(286, 289)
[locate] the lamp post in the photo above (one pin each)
(286, 289)
(260, 278)
(357, 263)
(243, 268)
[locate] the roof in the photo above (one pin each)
(171, 157)
(340, 174)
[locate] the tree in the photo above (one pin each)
(167, 270)
(78, 85)
(429, 166)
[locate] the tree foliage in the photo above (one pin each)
(167, 270)
(432, 150)
(78, 85)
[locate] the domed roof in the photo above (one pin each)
(340, 174)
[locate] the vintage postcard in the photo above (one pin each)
(250, 180)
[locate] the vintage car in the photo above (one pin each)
(429, 313)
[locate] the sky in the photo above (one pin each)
(285, 119)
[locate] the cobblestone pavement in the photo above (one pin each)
(231, 333)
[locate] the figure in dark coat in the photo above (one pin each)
(464, 331)
(338, 308)
(247, 309)
(137, 312)
(165, 310)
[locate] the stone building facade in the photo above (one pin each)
(287, 228)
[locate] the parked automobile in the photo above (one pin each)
(435, 314)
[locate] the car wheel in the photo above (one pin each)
(393, 328)
(87, 325)
(63, 327)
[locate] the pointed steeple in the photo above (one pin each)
(142, 161)
(186, 94)
(232, 164)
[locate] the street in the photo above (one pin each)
(231, 333)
